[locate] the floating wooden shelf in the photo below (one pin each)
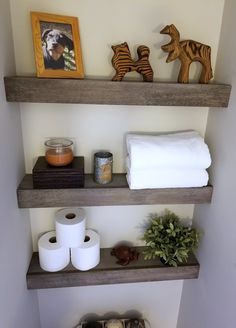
(88, 91)
(115, 193)
(109, 272)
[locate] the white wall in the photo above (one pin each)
(103, 23)
(210, 301)
(64, 307)
(18, 306)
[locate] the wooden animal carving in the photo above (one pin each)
(123, 62)
(187, 51)
(124, 254)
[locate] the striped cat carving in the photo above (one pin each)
(123, 62)
(187, 51)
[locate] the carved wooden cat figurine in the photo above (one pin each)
(123, 62)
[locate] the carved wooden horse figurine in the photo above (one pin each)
(187, 51)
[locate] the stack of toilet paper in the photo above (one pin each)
(167, 161)
(71, 241)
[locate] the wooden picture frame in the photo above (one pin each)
(57, 46)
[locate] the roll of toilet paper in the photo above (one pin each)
(52, 256)
(70, 226)
(87, 255)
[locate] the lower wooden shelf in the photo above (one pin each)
(109, 272)
(115, 193)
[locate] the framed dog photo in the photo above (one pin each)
(57, 46)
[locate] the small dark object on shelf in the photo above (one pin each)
(46, 176)
(135, 323)
(124, 254)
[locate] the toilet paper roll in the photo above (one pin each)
(52, 256)
(87, 255)
(70, 226)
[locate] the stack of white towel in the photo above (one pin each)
(167, 161)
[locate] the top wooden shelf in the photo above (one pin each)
(106, 92)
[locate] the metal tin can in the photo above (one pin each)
(103, 167)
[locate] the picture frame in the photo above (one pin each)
(57, 47)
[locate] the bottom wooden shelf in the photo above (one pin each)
(109, 272)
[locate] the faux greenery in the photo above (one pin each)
(169, 239)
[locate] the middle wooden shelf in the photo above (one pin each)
(115, 193)
(109, 272)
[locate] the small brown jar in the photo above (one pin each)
(59, 151)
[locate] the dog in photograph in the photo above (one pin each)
(54, 44)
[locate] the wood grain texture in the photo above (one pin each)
(187, 51)
(46, 176)
(72, 91)
(109, 272)
(114, 193)
(123, 62)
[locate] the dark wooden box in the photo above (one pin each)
(46, 176)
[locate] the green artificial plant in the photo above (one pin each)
(167, 238)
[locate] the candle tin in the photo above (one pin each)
(103, 167)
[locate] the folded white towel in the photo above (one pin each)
(175, 150)
(167, 178)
